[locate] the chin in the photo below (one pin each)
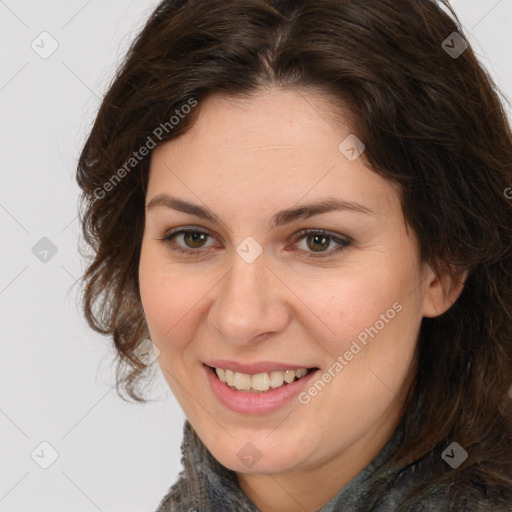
(253, 461)
(273, 467)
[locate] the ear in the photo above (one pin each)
(440, 293)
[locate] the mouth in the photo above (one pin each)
(259, 383)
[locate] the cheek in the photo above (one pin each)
(168, 300)
(349, 305)
(375, 308)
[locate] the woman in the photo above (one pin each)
(302, 205)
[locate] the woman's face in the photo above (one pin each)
(257, 289)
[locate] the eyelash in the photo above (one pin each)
(343, 243)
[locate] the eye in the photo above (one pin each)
(193, 239)
(317, 240)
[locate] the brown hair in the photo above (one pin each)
(432, 122)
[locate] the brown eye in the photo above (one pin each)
(318, 241)
(194, 239)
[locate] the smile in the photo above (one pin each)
(259, 393)
(260, 382)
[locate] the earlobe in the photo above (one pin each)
(440, 293)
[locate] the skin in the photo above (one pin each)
(246, 159)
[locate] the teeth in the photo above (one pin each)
(221, 374)
(276, 379)
(260, 382)
(230, 378)
(289, 376)
(242, 381)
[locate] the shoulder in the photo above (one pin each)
(468, 500)
(449, 497)
(408, 490)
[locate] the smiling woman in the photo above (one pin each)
(320, 250)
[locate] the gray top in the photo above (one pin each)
(204, 485)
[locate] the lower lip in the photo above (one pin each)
(255, 403)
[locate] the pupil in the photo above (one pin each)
(196, 237)
(324, 239)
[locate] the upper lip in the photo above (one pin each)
(255, 367)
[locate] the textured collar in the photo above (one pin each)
(205, 485)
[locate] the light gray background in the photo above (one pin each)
(56, 374)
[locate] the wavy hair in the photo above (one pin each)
(432, 122)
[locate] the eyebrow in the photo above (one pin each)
(282, 217)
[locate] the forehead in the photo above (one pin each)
(269, 118)
(275, 146)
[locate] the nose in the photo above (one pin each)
(250, 303)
